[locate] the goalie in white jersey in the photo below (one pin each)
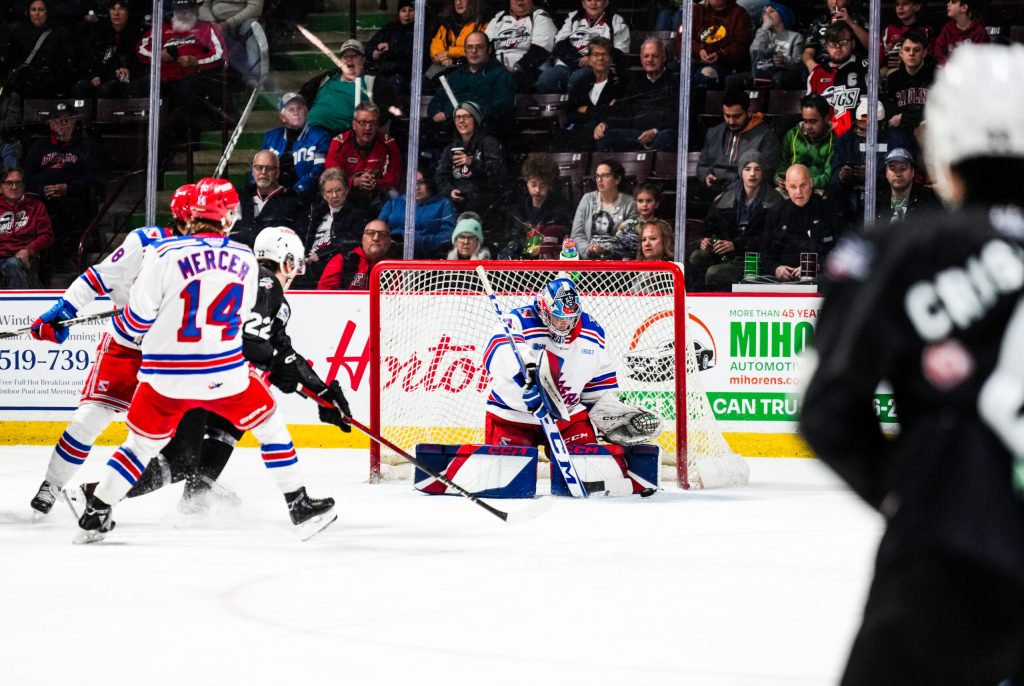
(187, 306)
(569, 376)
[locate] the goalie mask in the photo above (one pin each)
(558, 306)
(282, 246)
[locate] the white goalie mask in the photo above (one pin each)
(283, 247)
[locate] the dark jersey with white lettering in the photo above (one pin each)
(936, 310)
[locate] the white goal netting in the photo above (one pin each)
(431, 322)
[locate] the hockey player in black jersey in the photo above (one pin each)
(936, 309)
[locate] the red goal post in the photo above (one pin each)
(430, 322)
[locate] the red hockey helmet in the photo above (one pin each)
(182, 201)
(216, 202)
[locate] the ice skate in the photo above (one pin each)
(95, 523)
(43, 500)
(310, 515)
(202, 494)
(76, 497)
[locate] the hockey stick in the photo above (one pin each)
(539, 506)
(559, 453)
(62, 324)
(230, 147)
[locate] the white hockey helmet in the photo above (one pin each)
(282, 246)
(975, 109)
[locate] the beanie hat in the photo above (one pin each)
(473, 109)
(405, 3)
(468, 225)
(785, 14)
(747, 157)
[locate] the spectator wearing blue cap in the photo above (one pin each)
(901, 196)
(776, 53)
(300, 147)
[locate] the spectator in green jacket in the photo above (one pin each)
(810, 143)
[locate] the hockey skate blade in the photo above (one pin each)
(84, 537)
(535, 509)
(314, 525)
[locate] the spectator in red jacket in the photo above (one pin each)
(25, 232)
(963, 27)
(351, 271)
(722, 34)
(369, 157)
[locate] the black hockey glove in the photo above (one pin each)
(330, 415)
(285, 374)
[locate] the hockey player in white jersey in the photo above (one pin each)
(188, 306)
(112, 380)
(569, 376)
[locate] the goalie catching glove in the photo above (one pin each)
(43, 328)
(624, 424)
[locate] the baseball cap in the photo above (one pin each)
(862, 109)
(287, 98)
(351, 45)
(61, 110)
(185, 4)
(900, 155)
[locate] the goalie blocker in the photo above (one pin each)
(497, 471)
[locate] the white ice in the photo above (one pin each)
(759, 585)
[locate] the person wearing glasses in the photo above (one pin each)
(572, 45)
(351, 271)
(369, 157)
(601, 212)
(25, 232)
(593, 97)
(468, 239)
(842, 78)
(472, 170)
(333, 227)
(840, 12)
(265, 202)
(478, 78)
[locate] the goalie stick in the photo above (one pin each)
(539, 506)
(63, 324)
(559, 453)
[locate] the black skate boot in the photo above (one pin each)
(202, 494)
(310, 515)
(95, 522)
(76, 497)
(44, 499)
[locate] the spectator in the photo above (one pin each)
(810, 143)
(841, 79)
(188, 48)
(391, 48)
(907, 86)
(647, 197)
(841, 13)
(892, 37)
(112, 64)
(722, 35)
(369, 157)
(333, 227)
(733, 227)
(601, 212)
(540, 216)
(648, 111)
(265, 202)
(472, 168)
(435, 218)
(447, 49)
(351, 271)
(63, 170)
(480, 79)
(801, 224)
(45, 66)
(963, 27)
(572, 46)
(10, 128)
(657, 241)
(333, 93)
(301, 149)
(776, 53)
(25, 232)
(239, 20)
(468, 239)
(724, 144)
(593, 97)
(523, 38)
(901, 196)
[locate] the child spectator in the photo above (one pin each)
(907, 87)
(907, 12)
(963, 27)
(775, 54)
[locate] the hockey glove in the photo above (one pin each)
(43, 328)
(285, 374)
(330, 415)
(536, 400)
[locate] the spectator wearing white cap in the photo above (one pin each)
(336, 93)
(301, 148)
(901, 196)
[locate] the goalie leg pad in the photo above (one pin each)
(611, 464)
(488, 471)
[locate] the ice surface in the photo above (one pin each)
(759, 585)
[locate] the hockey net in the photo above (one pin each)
(431, 322)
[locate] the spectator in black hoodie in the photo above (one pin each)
(390, 49)
(111, 62)
(907, 87)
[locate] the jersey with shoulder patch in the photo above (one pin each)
(188, 305)
(937, 310)
(581, 365)
(114, 276)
